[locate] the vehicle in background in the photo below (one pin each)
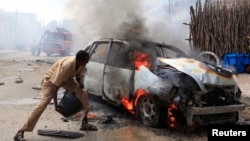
(57, 41)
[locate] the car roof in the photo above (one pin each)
(143, 41)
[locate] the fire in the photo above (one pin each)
(91, 115)
(139, 93)
(172, 120)
(128, 104)
(141, 59)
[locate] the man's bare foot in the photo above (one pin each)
(19, 136)
(88, 127)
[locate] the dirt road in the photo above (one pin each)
(18, 99)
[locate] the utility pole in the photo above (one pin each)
(16, 30)
(169, 10)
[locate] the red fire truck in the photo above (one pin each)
(57, 41)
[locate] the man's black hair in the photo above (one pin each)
(82, 55)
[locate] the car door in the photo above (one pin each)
(93, 80)
(118, 74)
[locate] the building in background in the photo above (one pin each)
(18, 30)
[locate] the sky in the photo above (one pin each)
(46, 10)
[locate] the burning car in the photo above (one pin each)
(160, 83)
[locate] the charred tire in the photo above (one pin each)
(148, 111)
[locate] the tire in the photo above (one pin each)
(148, 111)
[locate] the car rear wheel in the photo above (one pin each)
(148, 111)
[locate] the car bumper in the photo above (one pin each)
(211, 110)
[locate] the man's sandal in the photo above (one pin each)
(19, 137)
(88, 127)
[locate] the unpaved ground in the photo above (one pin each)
(18, 99)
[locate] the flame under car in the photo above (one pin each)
(159, 83)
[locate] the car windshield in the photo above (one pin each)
(167, 51)
(153, 49)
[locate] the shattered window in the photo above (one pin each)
(167, 53)
(100, 53)
(118, 56)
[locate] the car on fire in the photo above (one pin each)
(159, 83)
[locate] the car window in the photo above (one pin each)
(100, 52)
(167, 53)
(118, 56)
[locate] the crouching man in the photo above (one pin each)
(67, 72)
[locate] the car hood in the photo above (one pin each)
(203, 73)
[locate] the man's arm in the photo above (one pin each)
(80, 77)
(54, 92)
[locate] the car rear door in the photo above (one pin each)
(118, 74)
(93, 80)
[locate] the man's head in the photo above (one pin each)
(82, 57)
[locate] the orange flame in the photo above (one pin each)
(172, 120)
(91, 115)
(128, 104)
(141, 59)
(139, 93)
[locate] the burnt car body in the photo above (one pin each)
(159, 82)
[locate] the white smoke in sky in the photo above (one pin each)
(158, 20)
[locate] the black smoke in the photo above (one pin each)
(157, 20)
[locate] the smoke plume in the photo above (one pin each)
(156, 20)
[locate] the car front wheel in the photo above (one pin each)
(148, 111)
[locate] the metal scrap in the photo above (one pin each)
(59, 133)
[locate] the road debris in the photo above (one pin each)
(38, 87)
(19, 80)
(108, 119)
(59, 133)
